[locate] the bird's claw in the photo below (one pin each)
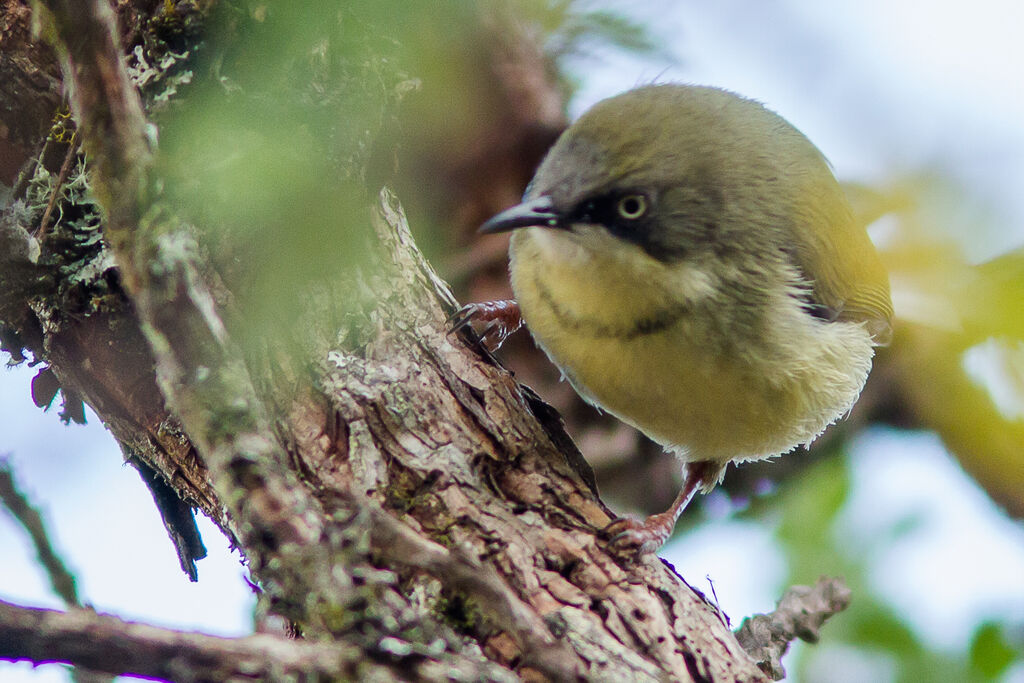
(500, 319)
(462, 317)
(628, 537)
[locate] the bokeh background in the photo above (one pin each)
(916, 500)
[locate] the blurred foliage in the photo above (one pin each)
(805, 516)
(262, 150)
(574, 27)
(278, 128)
(991, 653)
(960, 331)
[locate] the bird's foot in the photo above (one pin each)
(632, 537)
(500, 319)
(627, 536)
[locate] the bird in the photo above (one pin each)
(687, 259)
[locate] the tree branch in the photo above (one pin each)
(61, 579)
(198, 367)
(800, 614)
(104, 643)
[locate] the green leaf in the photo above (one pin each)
(990, 654)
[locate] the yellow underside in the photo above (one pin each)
(707, 401)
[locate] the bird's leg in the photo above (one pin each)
(500, 320)
(630, 536)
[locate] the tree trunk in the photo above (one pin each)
(411, 510)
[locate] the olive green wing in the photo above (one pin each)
(838, 258)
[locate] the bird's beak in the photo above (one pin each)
(538, 212)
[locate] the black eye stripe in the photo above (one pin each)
(643, 229)
(612, 208)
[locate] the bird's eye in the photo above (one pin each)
(632, 206)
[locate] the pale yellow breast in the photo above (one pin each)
(692, 396)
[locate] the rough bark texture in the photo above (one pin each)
(401, 500)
